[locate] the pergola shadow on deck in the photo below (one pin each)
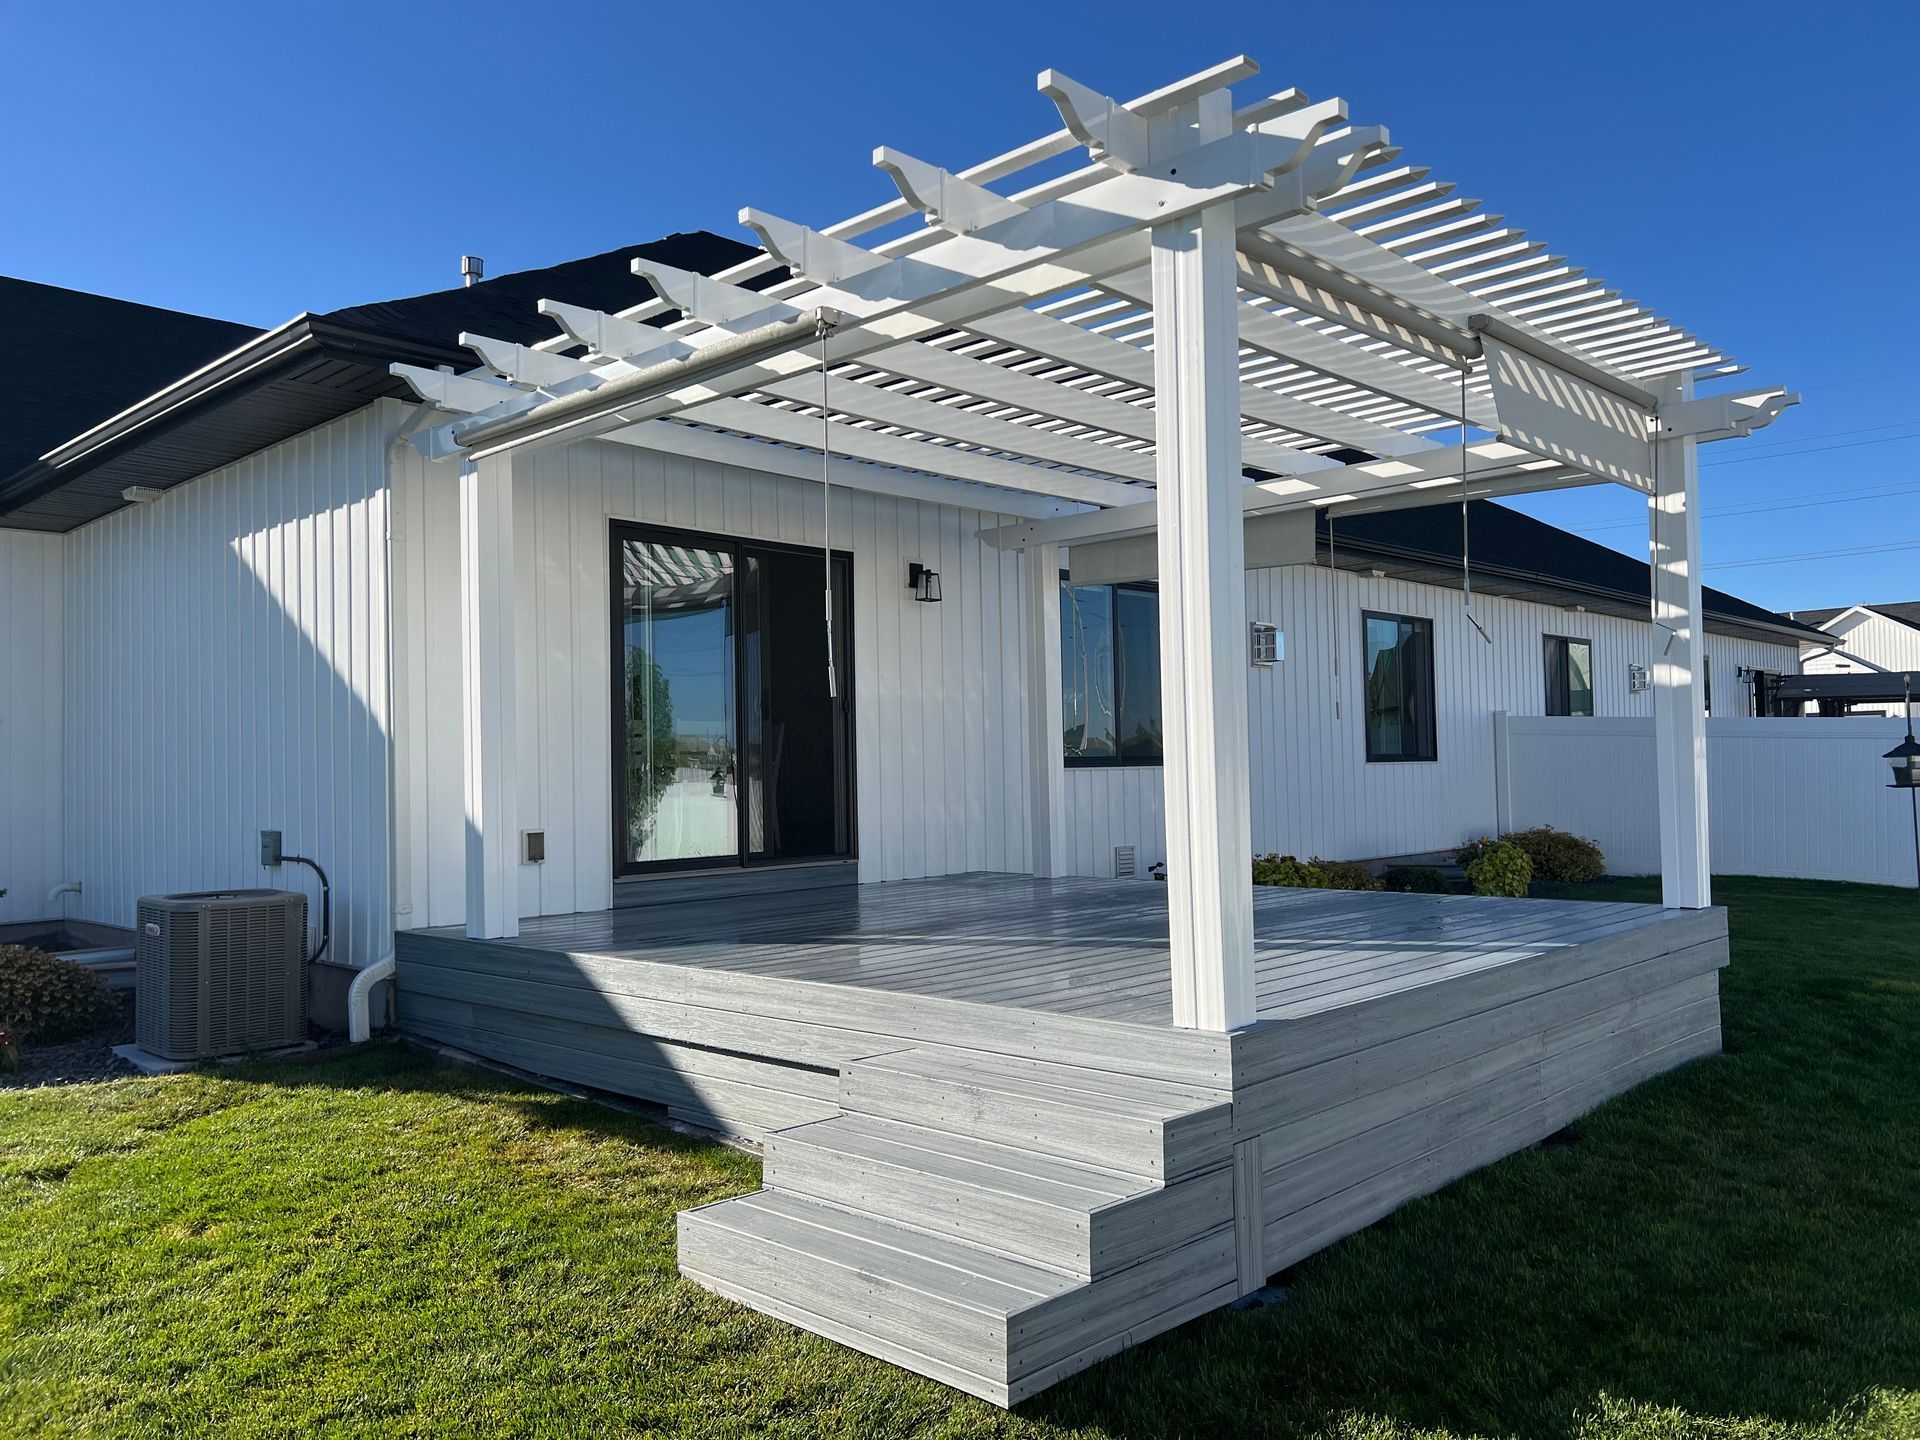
(992, 1156)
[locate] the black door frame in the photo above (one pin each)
(735, 547)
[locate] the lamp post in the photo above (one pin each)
(1906, 776)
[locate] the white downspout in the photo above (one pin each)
(360, 999)
(360, 993)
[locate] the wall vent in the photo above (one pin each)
(1123, 863)
(1263, 642)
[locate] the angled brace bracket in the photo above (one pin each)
(944, 198)
(810, 253)
(523, 365)
(1113, 134)
(712, 302)
(1724, 417)
(726, 306)
(613, 336)
(1305, 126)
(462, 393)
(1331, 168)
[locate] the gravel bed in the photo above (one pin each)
(76, 1062)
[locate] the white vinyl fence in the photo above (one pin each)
(1788, 797)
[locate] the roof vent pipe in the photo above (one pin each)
(472, 268)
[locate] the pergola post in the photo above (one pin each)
(1203, 675)
(1046, 760)
(487, 608)
(1679, 697)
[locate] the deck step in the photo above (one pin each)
(1146, 1128)
(1082, 1220)
(994, 1326)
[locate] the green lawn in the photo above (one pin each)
(382, 1245)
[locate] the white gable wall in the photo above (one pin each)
(226, 672)
(1874, 638)
(32, 729)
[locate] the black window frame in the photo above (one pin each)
(1430, 727)
(735, 547)
(1547, 642)
(1119, 758)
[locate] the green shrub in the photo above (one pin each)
(1556, 855)
(1346, 874)
(1414, 879)
(43, 997)
(1498, 868)
(1271, 869)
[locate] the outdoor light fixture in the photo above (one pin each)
(924, 583)
(1263, 642)
(1906, 763)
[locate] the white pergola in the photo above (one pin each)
(1224, 312)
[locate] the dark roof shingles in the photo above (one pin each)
(1510, 541)
(72, 360)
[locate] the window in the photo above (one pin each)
(1399, 681)
(1110, 674)
(1569, 676)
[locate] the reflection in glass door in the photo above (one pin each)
(727, 747)
(675, 799)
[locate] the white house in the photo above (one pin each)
(1158, 517)
(1864, 640)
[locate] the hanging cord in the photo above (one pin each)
(1333, 610)
(1653, 550)
(823, 327)
(1466, 528)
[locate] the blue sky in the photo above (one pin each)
(1746, 170)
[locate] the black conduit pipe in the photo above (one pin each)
(326, 903)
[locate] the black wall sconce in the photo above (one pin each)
(924, 583)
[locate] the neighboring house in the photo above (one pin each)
(653, 749)
(1863, 639)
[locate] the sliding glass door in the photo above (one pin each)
(727, 747)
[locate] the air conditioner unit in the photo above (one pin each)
(221, 972)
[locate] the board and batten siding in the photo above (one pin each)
(226, 672)
(1313, 790)
(1874, 638)
(32, 731)
(939, 708)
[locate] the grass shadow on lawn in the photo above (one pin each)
(381, 1244)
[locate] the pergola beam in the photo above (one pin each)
(1493, 466)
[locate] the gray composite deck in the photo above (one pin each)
(992, 1158)
(1094, 949)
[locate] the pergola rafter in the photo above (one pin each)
(1226, 312)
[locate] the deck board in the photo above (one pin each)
(1089, 948)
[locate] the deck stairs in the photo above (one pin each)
(996, 1223)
